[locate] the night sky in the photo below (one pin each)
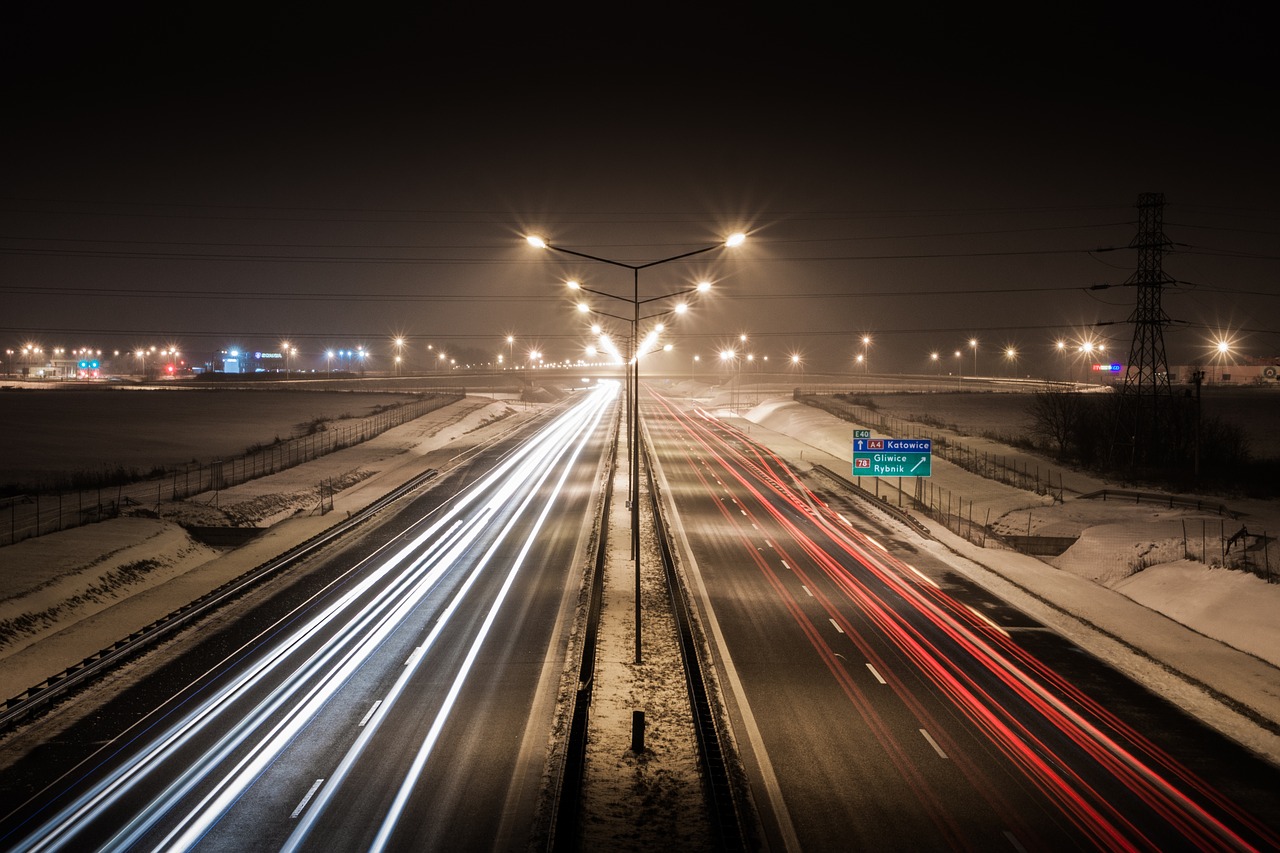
(220, 177)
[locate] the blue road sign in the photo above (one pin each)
(903, 445)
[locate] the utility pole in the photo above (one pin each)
(1198, 378)
(1146, 399)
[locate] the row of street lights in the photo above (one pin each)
(635, 350)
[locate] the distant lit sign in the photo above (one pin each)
(261, 355)
(1108, 368)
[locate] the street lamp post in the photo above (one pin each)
(729, 358)
(634, 373)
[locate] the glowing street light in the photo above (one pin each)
(1222, 352)
(634, 373)
(729, 358)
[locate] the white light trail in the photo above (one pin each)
(357, 748)
(413, 572)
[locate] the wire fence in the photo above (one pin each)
(1021, 474)
(1218, 546)
(37, 514)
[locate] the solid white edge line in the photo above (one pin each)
(923, 576)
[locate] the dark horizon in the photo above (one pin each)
(219, 181)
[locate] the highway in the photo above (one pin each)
(404, 704)
(880, 701)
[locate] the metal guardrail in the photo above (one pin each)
(566, 818)
(1169, 500)
(904, 517)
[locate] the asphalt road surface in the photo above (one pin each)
(882, 702)
(404, 703)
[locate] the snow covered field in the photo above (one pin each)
(67, 595)
(51, 433)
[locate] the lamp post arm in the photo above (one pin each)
(593, 257)
(668, 295)
(613, 316)
(586, 289)
(703, 250)
(636, 267)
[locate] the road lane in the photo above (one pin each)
(405, 690)
(894, 715)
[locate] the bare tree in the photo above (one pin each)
(1057, 417)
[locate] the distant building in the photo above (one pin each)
(245, 361)
(1246, 371)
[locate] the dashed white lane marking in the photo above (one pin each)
(369, 715)
(806, 590)
(933, 743)
(311, 793)
(877, 675)
(834, 625)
